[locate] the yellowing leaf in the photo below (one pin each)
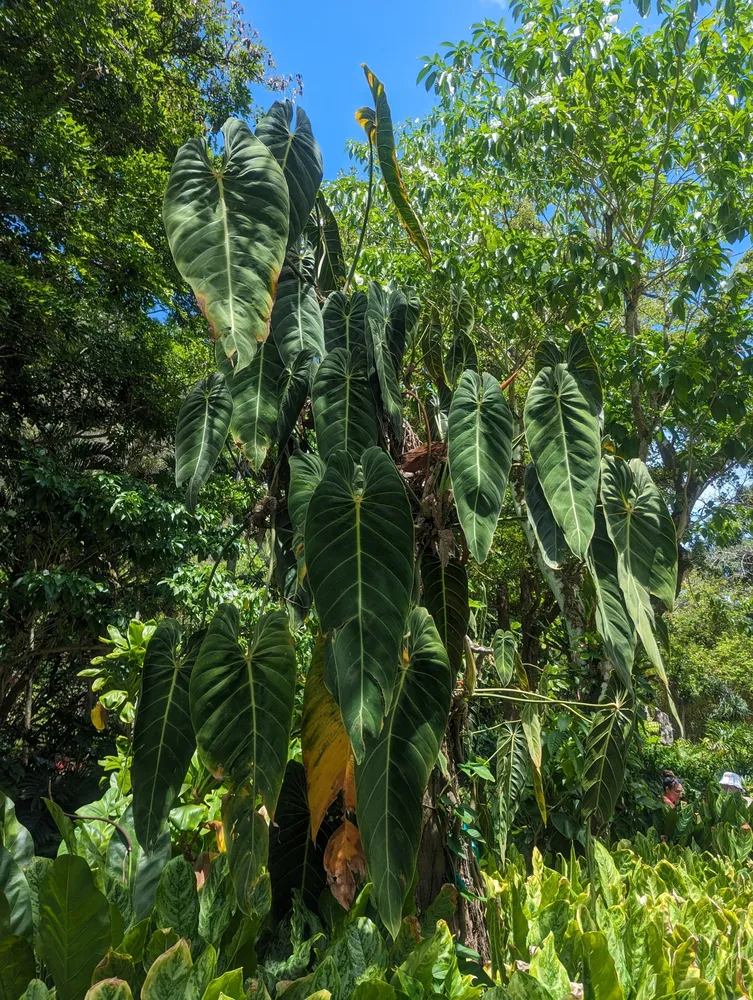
(99, 716)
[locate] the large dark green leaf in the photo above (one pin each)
(391, 781)
(359, 554)
(612, 619)
(432, 351)
(242, 701)
(324, 235)
(551, 540)
(606, 753)
(293, 587)
(461, 357)
(446, 598)
(547, 355)
(378, 341)
(15, 888)
(479, 451)
(343, 405)
(296, 317)
(295, 860)
(163, 739)
(505, 650)
(385, 145)
(16, 966)
(306, 471)
(403, 309)
(177, 902)
(292, 390)
(583, 368)
(562, 431)
(227, 226)
(256, 402)
(203, 423)
(299, 156)
(512, 775)
(74, 926)
(344, 320)
(462, 312)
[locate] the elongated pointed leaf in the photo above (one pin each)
(461, 357)
(547, 355)
(391, 781)
(227, 227)
(462, 312)
(15, 888)
(344, 321)
(343, 405)
(296, 861)
(512, 775)
(256, 401)
(16, 966)
(403, 309)
(306, 471)
(110, 989)
(600, 979)
(291, 583)
(562, 431)
(163, 739)
(293, 388)
(242, 701)
(74, 926)
(296, 318)
(359, 552)
(549, 535)
(432, 349)
(378, 341)
(331, 272)
(612, 619)
(531, 723)
(168, 974)
(385, 145)
(505, 647)
(177, 901)
(606, 753)
(446, 598)
(549, 971)
(324, 743)
(247, 839)
(480, 455)
(583, 368)
(203, 423)
(13, 835)
(299, 156)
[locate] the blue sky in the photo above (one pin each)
(327, 40)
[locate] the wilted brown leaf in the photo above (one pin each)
(345, 862)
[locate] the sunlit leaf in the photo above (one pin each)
(203, 424)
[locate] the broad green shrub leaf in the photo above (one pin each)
(549, 535)
(298, 154)
(110, 989)
(563, 437)
(360, 954)
(227, 227)
(640, 526)
(296, 318)
(446, 598)
(583, 368)
(36, 990)
(324, 235)
(391, 781)
(385, 145)
(216, 902)
(345, 416)
(547, 355)
(606, 752)
(229, 985)
(607, 874)
(612, 619)
(256, 685)
(177, 902)
(378, 336)
(202, 972)
(163, 739)
(512, 775)
(160, 942)
(295, 859)
(292, 390)
(203, 424)
(115, 965)
(74, 926)
(430, 964)
(359, 553)
(344, 319)
(479, 452)
(14, 837)
(325, 746)
(376, 989)
(148, 869)
(17, 966)
(523, 986)
(15, 888)
(256, 402)
(168, 975)
(65, 827)
(600, 979)
(505, 647)
(550, 972)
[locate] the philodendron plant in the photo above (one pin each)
(371, 521)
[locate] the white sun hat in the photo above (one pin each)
(731, 782)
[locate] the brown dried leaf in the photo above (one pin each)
(345, 862)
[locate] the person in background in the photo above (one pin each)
(672, 789)
(733, 783)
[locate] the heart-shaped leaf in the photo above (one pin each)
(479, 451)
(227, 226)
(163, 739)
(296, 318)
(606, 752)
(505, 647)
(391, 781)
(344, 321)
(562, 431)
(256, 403)
(343, 405)
(512, 775)
(203, 423)
(299, 156)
